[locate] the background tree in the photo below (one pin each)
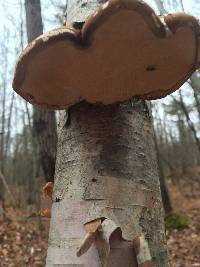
(44, 122)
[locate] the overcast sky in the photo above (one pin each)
(10, 11)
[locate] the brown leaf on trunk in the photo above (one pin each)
(141, 248)
(45, 213)
(48, 189)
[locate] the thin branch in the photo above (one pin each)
(182, 5)
(160, 6)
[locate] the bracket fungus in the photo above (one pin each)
(124, 49)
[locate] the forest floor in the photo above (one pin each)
(23, 239)
(184, 246)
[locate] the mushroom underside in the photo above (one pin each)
(121, 58)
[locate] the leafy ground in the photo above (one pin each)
(184, 246)
(23, 239)
(23, 242)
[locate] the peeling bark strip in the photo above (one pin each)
(91, 230)
(142, 252)
(106, 168)
(102, 232)
(104, 243)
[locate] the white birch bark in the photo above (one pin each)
(106, 167)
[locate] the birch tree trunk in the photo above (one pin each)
(106, 168)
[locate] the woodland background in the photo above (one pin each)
(24, 167)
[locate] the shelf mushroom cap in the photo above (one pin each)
(124, 49)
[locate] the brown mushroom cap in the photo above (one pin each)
(123, 50)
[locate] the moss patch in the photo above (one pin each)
(176, 221)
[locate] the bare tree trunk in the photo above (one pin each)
(3, 180)
(2, 148)
(160, 130)
(166, 147)
(44, 122)
(9, 127)
(190, 123)
(161, 7)
(3, 117)
(195, 84)
(4, 64)
(164, 191)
